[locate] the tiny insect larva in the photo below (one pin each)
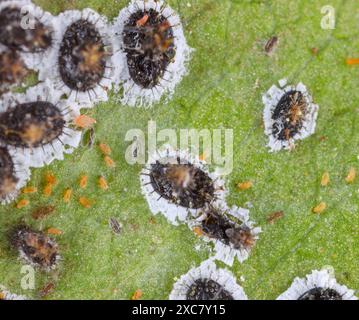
(54, 231)
(80, 65)
(83, 121)
(85, 202)
(29, 189)
(325, 179)
(50, 178)
(291, 109)
(198, 231)
(137, 295)
(245, 185)
(22, 203)
(350, 178)
(105, 149)
(320, 208)
(102, 183)
(48, 189)
(83, 181)
(352, 61)
(67, 195)
(109, 162)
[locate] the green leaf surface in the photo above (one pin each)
(228, 75)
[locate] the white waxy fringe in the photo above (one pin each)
(68, 140)
(173, 212)
(323, 279)
(207, 270)
(22, 173)
(135, 95)
(33, 60)
(223, 252)
(10, 296)
(271, 99)
(49, 68)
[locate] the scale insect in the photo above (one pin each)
(25, 27)
(80, 63)
(289, 115)
(178, 184)
(37, 125)
(318, 285)
(14, 174)
(230, 229)
(149, 41)
(207, 282)
(35, 248)
(12, 69)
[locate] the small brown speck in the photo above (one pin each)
(42, 212)
(273, 217)
(115, 225)
(54, 231)
(314, 51)
(271, 45)
(47, 289)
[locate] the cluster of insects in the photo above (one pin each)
(79, 57)
(179, 186)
